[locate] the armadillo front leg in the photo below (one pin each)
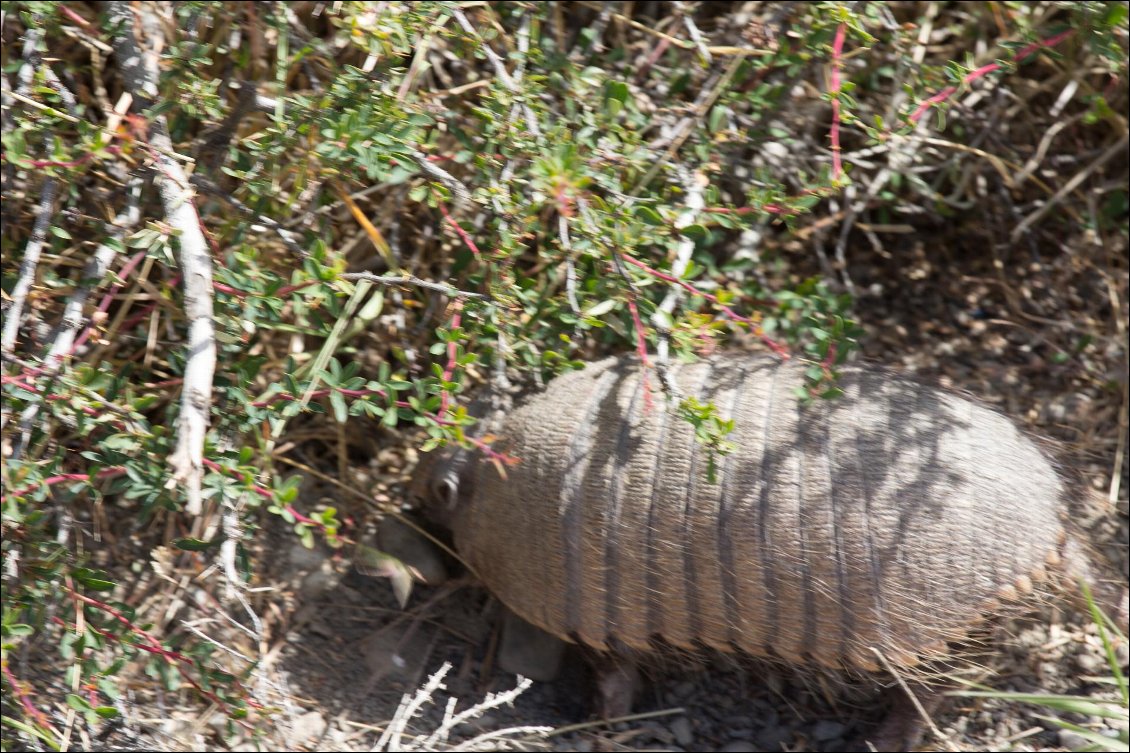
(904, 726)
(617, 681)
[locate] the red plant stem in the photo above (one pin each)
(452, 353)
(134, 320)
(228, 289)
(972, 76)
(153, 646)
(288, 289)
(829, 359)
(834, 135)
(52, 397)
(654, 56)
(117, 470)
(72, 15)
(641, 347)
(20, 690)
(773, 345)
(104, 304)
(487, 450)
(461, 232)
(264, 493)
(22, 385)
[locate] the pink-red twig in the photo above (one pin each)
(972, 76)
(735, 316)
(21, 692)
(837, 64)
(641, 347)
(452, 353)
(104, 304)
(52, 480)
(460, 231)
(154, 646)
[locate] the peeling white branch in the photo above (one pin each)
(14, 315)
(499, 69)
(140, 73)
(15, 309)
(92, 274)
(695, 202)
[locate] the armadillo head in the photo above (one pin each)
(442, 482)
(437, 485)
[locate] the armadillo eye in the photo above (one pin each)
(445, 490)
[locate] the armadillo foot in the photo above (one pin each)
(617, 683)
(904, 726)
(528, 650)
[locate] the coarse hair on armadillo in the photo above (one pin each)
(891, 521)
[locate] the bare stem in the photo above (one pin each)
(140, 73)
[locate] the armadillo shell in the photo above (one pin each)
(890, 518)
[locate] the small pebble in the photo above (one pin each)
(772, 738)
(683, 731)
(737, 746)
(1088, 663)
(1072, 740)
(826, 730)
(308, 727)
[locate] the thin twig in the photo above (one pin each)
(913, 699)
(140, 74)
(391, 280)
(1111, 152)
(287, 237)
(499, 68)
(696, 35)
(92, 274)
(461, 193)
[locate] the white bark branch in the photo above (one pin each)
(15, 309)
(695, 202)
(140, 73)
(14, 314)
(92, 274)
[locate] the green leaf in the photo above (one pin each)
(716, 118)
(341, 410)
(19, 629)
(695, 232)
(601, 308)
(649, 215)
(194, 545)
(95, 580)
(615, 97)
(78, 703)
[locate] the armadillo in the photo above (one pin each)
(869, 530)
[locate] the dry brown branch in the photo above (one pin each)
(1076, 180)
